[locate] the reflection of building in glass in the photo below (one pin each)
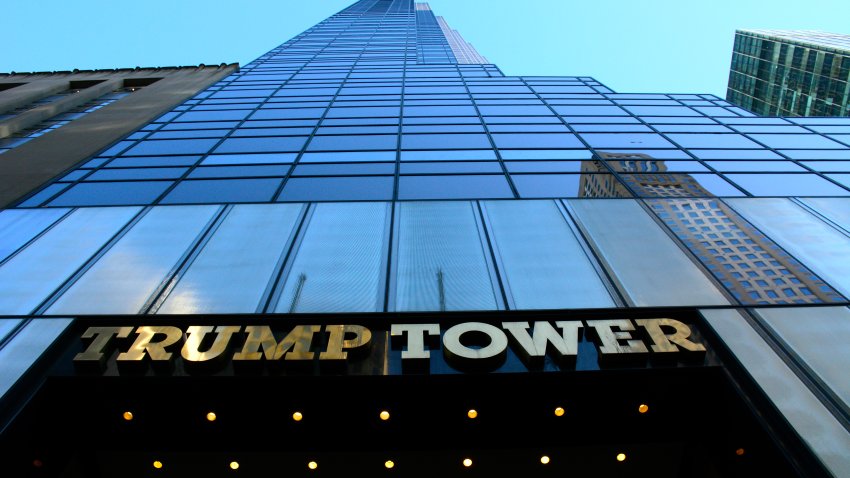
(751, 266)
(790, 72)
(644, 175)
(745, 261)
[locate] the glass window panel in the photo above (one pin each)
(589, 110)
(661, 111)
(207, 133)
(546, 154)
(770, 129)
(486, 154)
(702, 140)
(829, 166)
(601, 119)
(213, 115)
(542, 261)
(410, 120)
(645, 274)
(364, 111)
(340, 264)
(787, 185)
(455, 128)
(692, 128)
(222, 191)
(171, 146)
(544, 166)
(454, 187)
(564, 185)
(515, 110)
(19, 226)
(834, 209)
(364, 188)
(357, 129)
(830, 129)
(444, 141)
(681, 166)
(451, 167)
(287, 113)
(343, 169)
(258, 158)
(261, 145)
(528, 128)
(626, 140)
(136, 173)
(442, 258)
(27, 347)
(244, 250)
(7, 326)
(43, 195)
(34, 273)
(812, 141)
(819, 336)
(347, 142)
(680, 185)
(810, 240)
(735, 154)
(439, 111)
(618, 128)
(239, 171)
(112, 194)
(257, 132)
(544, 140)
(725, 166)
(815, 154)
(123, 279)
(532, 120)
(341, 156)
(153, 161)
(205, 125)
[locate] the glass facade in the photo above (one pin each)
(791, 72)
(377, 164)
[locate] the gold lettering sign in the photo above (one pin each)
(468, 344)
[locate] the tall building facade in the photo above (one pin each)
(370, 251)
(790, 73)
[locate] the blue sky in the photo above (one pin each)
(645, 46)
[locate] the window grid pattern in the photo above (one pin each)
(355, 109)
(748, 264)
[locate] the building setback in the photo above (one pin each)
(790, 73)
(371, 252)
(34, 104)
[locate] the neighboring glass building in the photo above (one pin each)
(369, 251)
(790, 73)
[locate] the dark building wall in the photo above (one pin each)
(30, 165)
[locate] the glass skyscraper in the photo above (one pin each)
(791, 72)
(371, 218)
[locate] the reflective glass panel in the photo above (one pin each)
(244, 250)
(33, 274)
(812, 241)
(543, 264)
(340, 264)
(19, 226)
(646, 263)
(441, 258)
(123, 279)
